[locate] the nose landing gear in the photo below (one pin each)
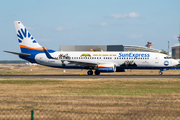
(160, 72)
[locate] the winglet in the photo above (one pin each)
(47, 54)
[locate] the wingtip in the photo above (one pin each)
(44, 48)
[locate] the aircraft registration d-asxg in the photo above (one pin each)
(97, 61)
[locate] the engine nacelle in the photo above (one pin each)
(106, 68)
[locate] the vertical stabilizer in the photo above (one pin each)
(26, 41)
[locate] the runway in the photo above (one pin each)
(89, 76)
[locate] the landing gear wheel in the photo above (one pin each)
(90, 72)
(160, 73)
(97, 72)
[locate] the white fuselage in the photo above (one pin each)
(140, 59)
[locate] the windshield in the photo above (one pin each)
(167, 57)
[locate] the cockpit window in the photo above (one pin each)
(167, 57)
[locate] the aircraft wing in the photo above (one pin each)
(83, 63)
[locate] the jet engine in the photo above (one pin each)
(106, 68)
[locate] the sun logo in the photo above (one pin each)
(24, 34)
(166, 63)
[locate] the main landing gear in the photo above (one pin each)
(90, 72)
(96, 72)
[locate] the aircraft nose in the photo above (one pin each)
(176, 62)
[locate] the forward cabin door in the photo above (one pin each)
(156, 58)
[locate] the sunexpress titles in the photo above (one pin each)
(134, 55)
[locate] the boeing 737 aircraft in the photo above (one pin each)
(97, 61)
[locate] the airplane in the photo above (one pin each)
(116, 61)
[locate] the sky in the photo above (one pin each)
(90, 22)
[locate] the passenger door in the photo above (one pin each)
(156, 59)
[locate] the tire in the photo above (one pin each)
(160, 73)
(97, 72)
(90, 72)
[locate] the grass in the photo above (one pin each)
(88, 98)
(91, 98)
(127, 87)
(27, 81)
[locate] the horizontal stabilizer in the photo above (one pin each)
(23, 54)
